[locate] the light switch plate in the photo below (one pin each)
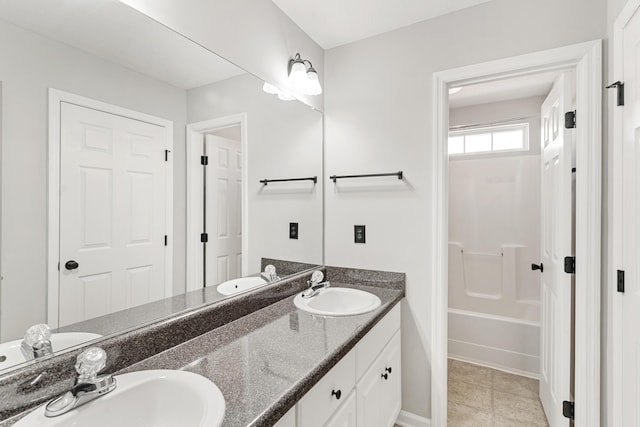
(293, 230)
(359, 234)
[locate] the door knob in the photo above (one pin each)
(71, 265)
(537, 267)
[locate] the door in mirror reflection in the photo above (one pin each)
(223, 206)
(112, 213)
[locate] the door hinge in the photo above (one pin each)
(204, 237)
(166, 155)
(570, 119)
(568, 409)
(621, 281)
(619, 86)
(570, 264)
(204, 160)
(166, 240)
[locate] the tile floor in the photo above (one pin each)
(480, 396)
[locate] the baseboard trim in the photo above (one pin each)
(407, 419)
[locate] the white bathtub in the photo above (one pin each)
(499, 342)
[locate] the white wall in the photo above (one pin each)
(378, 102)
(31, 65)
(494, 236)
(253, 34)
(274, 127)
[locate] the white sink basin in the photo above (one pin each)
(11, 355)
(338, 302)
(155, 398)
(241, 284)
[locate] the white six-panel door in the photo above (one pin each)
(112, 213)
(223, 200)
(555, 298)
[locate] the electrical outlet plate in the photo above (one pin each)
(359, 234)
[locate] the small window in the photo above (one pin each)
(480, 140)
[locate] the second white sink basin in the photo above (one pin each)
(241, 284)
(156, 398)
(338, 302)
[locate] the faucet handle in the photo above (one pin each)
(37, 334)
(270, 270)
(90, 362)
(317, 277)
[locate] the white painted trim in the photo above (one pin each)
(614, 372)
(586, 58)
(56, 97)
(194, 193)
(408, 419)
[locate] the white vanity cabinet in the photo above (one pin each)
(379, 389)
(363, 389)
(288, 420)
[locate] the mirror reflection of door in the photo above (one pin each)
(222, 250)
(113, 221)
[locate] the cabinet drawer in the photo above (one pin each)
(379, 392)
(322, 400)
(376, 339)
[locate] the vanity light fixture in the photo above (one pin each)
(454, 90)
(303, 77)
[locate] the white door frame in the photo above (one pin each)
(586, 59)
(56, 97)
(614, 306)
(194, 193)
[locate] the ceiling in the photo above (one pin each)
(333, 23)
(118, 33)
(504, 90)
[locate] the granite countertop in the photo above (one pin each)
(266, 361)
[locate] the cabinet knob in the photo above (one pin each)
(388, 369)
(385, 376)
(337, 394)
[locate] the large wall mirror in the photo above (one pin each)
(132, 161)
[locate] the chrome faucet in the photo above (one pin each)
(36, 342)
(270, 273)
(88, 384)
(315, 285)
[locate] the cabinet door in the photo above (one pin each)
(288, 420)
(316, 407)
(379, 390)
(345, 416)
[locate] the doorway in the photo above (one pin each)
(110, 209)
(217, 219)
(585, 60)
(510, 163)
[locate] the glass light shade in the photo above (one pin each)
(454, 90)
(298, 76)
(313, 83)
(270, 89)
(284, 96)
